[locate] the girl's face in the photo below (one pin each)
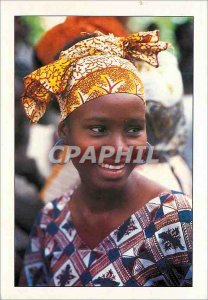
(116, 120)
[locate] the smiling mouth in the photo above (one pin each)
(112, 167)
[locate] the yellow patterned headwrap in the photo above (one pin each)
(91, 68)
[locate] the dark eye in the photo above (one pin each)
(134, 131)
(98, 129)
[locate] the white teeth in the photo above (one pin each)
(111, 166)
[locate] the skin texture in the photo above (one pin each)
(103, 201)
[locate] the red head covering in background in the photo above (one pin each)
(57, 37)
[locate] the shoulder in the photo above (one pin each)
(171, 208)
(180, 199)
(148, 189)
(171, 223)
(170, 226)
(54, 210)
(151, 189)
(178, 203)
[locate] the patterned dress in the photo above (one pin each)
(153, 247)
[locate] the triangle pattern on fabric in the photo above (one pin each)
(128, 260)
(84, 253)
(146, 262)
(147, 256)
(164, 197)
(122, 229)
(129, 263)
(130, 252)
(167, 209)
(177, 192)
(92, 258)
(180, 270)
(159, 214)
(57, 252)
(152, 206)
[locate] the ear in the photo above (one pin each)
(63, 132)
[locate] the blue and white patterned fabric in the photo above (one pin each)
(153, 247)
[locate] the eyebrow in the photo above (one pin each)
(135, 120)
(96, 118)
(103, 119)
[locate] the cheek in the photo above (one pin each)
(141, 141)
(84, 143)
(88, 147)
(143, 138)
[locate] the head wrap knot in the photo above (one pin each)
(91, 68)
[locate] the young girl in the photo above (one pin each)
(117, 228)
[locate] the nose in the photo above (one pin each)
(118, 141)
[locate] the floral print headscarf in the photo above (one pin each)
(91, 68)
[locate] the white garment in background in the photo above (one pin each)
(40, 144)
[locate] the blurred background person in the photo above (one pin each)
(180, 32)
(166, 124)
(28, 179)
(184, 34)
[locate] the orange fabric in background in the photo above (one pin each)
(57, 37)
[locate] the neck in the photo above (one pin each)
(97, 200)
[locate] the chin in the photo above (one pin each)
(110, 185)
(101, 178)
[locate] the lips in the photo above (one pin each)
(112, 167)
(112, 171)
